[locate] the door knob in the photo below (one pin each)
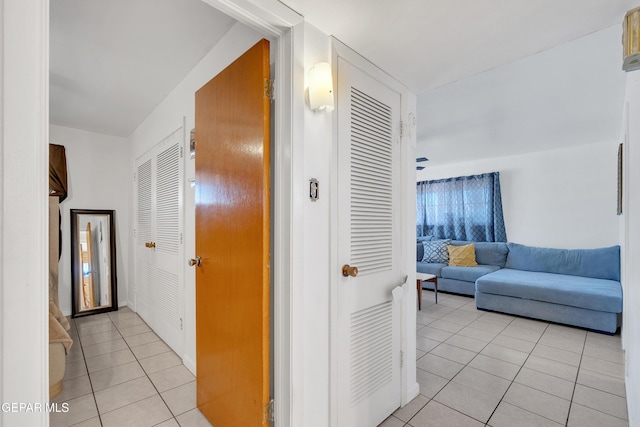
(347, 271)
(195, 261)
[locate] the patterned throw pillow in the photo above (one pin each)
(462, 256)
(436, 251)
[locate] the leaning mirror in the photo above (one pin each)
(93, 262)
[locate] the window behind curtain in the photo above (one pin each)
(463, 208)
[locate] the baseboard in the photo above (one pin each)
(412, 393)
(632, 412)
(189, 363)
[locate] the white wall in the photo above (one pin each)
(99, 177)
(565, 96)
(563, 198)
(631, 251)
(179, 105)
(24, 182)
(317, 263)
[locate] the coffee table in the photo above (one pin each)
(424, 277)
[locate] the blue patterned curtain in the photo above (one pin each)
(463, 208)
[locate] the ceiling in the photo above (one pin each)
(429, 43)
(113, 61)
(493, 77)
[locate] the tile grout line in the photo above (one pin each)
(521, 366)
(575, 384)
(143, 370)
(173, 416)
(517, 373)
(93, 393)
(529, 354)
(465, 365)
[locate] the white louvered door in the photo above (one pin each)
(144, 234)
(160, 269)
(368, 238)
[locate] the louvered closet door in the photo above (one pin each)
(167, 291)
(144, 234)
(368, 208)
(160, 273)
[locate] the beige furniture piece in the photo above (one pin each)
(424, 277)
(59, 344)
(59, 340)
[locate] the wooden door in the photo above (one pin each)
(368, 238)
(232, 240)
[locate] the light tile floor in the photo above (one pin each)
(120, 373)
(478, 368)
(474, 368)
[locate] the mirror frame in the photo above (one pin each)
(76, 266)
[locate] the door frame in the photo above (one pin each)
(408, 384)
(25, 139)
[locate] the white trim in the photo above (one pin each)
(269, 17)
(409, 386)
(189, 363)
(25, 213)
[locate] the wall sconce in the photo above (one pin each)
(320, 87)
(631, 40)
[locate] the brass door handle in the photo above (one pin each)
(347, 271)
(195, 262)
(150, 244)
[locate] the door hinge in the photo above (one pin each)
(181, 154)
(180, 238)
(135, 177)
(268, 89)
(402, 128)
(269, 412)
(401, 358)
(181, 326)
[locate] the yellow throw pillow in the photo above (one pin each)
(462, 256)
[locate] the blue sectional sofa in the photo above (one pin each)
(579, 287)
(490, 256)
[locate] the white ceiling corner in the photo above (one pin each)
(429, 43)
(112, 62)
(493, 77)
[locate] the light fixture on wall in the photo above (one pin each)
(320, 87)
(631, 40)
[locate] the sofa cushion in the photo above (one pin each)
(436, 251)
(469, 274)
(601, 263)
(462, 256)
(576, 291)
(488, 253)
(430, 268)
